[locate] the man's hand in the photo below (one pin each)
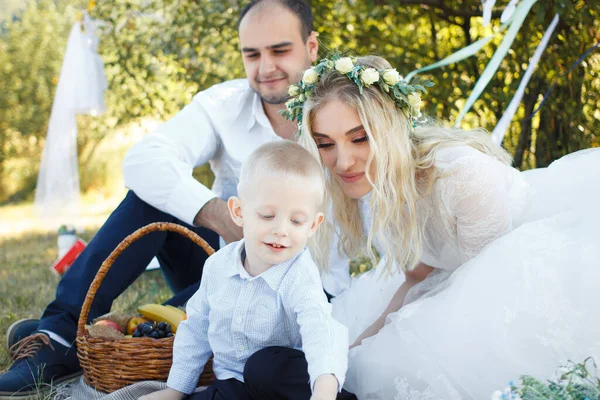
(165, 394)
(215, 216)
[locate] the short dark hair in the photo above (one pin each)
(299, 7)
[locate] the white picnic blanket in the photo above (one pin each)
(79, 390)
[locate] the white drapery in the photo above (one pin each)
(80, 90)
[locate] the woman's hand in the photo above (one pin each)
(370, 331)
(165, 394)
(418, 274)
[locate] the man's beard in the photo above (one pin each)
(274, 98)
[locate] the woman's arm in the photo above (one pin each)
(418, 274)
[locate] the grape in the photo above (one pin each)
(147, 329)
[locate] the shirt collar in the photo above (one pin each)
(258, 114)
(273, 276)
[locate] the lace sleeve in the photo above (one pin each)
(477, 197)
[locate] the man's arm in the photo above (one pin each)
(159, 167)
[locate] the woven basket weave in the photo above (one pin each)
(110, 364)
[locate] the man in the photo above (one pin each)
(222, 124)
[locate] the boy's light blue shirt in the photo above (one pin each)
(233, 315)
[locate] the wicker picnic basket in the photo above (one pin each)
(110, 364)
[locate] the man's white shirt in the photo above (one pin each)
(222, 126)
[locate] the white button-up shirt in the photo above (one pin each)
(233, 315)
(222, 125)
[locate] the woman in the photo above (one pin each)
(494, 272)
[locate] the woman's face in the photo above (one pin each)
(344, 147)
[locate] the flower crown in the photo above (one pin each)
(406, 96)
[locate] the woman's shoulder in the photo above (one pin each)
(451, 157)
(464, 169)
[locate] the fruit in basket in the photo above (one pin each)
(110, 324)
(178, 310)
(157, 312)
(133, 323)
(153, 330)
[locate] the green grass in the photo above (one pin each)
(26, 283)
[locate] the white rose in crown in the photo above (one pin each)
(344, 65)
(293, 90)
(369, 76)
(310, 76)
(391, 76)
(414, 100)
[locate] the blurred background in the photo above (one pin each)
(158, 54)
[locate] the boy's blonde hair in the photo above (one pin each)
(404, 161)
(279, 159)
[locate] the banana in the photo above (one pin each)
(179, 310)
(159, 313)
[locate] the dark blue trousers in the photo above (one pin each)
(273, 373)
(181, 261)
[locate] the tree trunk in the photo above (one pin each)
(558, 133)
(525, 137)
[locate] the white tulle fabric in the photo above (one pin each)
(80, 90)
(515, 289)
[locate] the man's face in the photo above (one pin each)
(273, 51)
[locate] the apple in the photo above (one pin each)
(134, 322)
(110, 324)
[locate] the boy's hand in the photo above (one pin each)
(326, 387)
(317, 396)
(165, 394)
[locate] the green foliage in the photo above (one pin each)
(576, 382)
(158, 54)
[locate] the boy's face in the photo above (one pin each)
(278, 215)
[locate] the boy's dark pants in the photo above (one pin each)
(274, 373)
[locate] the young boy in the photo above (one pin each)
(264, 290)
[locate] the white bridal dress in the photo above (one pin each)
(516, 289)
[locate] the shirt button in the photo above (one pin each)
(242, 347)
(239, 320)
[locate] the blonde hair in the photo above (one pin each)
(285, 158)
(404, 171)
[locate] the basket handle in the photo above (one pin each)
(125, 243)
